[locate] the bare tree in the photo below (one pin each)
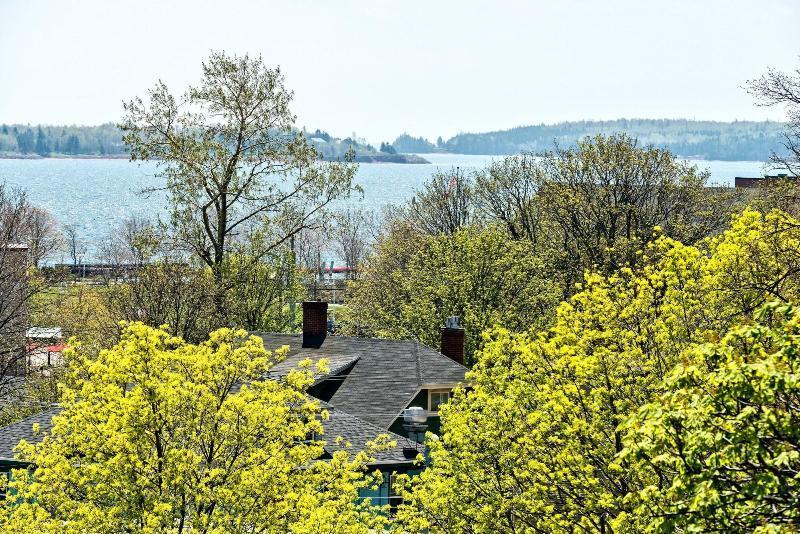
(167, 291)
(506, 192)
(777, 88)
(15, 289)
(41, 233)
(73, 243)
(445, 204)
(603, 199)
(310, 247)
(233, 162)
(351, 234)
(128, 247)
(140, 238)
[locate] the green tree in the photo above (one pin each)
(414, 282)
(536, 444)
(25, 141)
(722, 443)
(235, 168)
(157, 435)
(73, 145)
(593, 207)
(387, 148)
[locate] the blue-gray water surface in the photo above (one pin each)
(96, 194)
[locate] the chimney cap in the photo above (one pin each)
(452, 322)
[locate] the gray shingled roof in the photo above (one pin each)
(11, 435)
(385, 377)
(386, 374)
(357, 432)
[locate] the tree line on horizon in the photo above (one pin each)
(711, 140)
(43, 140)
(105, 140)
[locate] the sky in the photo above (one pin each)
(428, 68)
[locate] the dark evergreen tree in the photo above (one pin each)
(25, 141)
(73, 145)
(406, 144)
(42, 146)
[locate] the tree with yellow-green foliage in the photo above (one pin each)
(414, 282)
(721, 446)
(535, 443)
(157, 435)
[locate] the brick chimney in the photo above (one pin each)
(452, 344)
(315, 323)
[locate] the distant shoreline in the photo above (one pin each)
(402, 159)
(64, 156)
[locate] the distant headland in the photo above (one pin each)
(25, 141)
(708, 140)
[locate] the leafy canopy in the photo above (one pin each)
(535, 444)
(157, 435)
(722, 443)
(414, 282)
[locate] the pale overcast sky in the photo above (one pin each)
(425, 67)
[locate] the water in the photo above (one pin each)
(95, 195)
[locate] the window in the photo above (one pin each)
(437, 397)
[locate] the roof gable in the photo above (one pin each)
(386, 374)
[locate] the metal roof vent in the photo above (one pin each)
(415, 415)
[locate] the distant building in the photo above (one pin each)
(745, 182)
(44, 348)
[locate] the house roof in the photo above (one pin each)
(11, 435)
(39, 332)
(386, 374)
(384, 377)
(357, 433)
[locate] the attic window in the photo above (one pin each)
(436, 397)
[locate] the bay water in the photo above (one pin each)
(95, 195)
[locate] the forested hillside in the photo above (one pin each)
(28, 141)
(740, 140)
(105, 140)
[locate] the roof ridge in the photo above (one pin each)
(334, 336)
(438, 353)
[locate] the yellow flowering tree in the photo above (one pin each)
(722, 443)
(157, 435)
(534, 445)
